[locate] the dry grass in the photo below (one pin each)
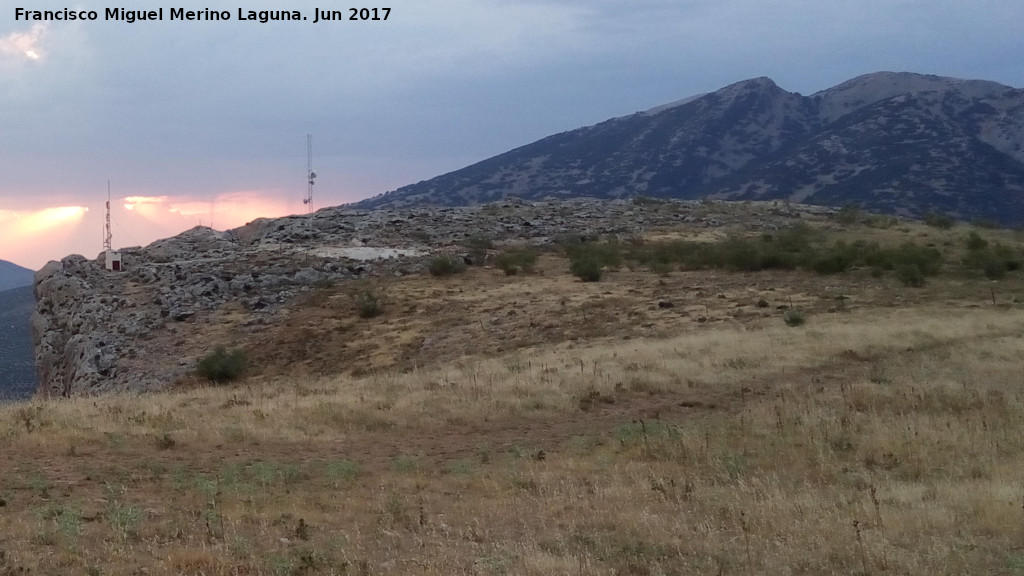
(865, 443)
(883, 438)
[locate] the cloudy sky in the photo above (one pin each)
(205, 122)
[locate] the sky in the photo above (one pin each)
(206, 122)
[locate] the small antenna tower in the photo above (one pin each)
(308, 201)
(109, 236)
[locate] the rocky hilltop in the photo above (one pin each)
(143, 329)
(892, 142)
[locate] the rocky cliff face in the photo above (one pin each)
(144, 328)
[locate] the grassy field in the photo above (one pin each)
(603, 434)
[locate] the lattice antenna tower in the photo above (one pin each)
(108, 236)
(308, 201)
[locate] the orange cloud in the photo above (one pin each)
(33, 237)
(25, 234)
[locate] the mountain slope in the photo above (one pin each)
(14, 276)
(17, 360)
(895, 142)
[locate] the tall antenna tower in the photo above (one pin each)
(108, 236)
(308, 201)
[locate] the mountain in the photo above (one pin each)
(17, 361)
(893, 142)
(14, 276)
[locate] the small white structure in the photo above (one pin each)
(114, 263)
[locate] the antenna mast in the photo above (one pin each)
(308, 201)
(109, 236)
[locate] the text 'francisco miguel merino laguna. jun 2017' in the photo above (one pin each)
(205, 15)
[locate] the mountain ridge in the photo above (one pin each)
(896, 142)
(14, 276)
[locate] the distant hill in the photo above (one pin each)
(894, 142)
(14, 276)
(17, 359)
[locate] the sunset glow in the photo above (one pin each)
(30, 238)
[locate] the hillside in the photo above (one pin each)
(900, 143)
(14, 276)
(744, 388)
(17, 361)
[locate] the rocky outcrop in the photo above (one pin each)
(143, 329)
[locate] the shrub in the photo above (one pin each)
(587, 260)
(837, 259)
(928, 261)
(994, 269)
(517, 260)
(848, 214)
(994, 261)
(223, 365)
(793, 318)
(368, 299)
(910, 275)
(607, 253)
(661, 268)
(586, 268)
(975, 241)
(478, 245)
(446, 265)
(938, 220)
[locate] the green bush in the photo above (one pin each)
(446, 265)
(975, 241)
(478, 245)
(910, 275)
(938, 220)
(793, 318)
(994, 261)
(586, 268)
(660, 268)
(928, 261)
(587, 260)
(517, 260)
(223, 365)
(994, 269)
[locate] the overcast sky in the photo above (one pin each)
(206, 122)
